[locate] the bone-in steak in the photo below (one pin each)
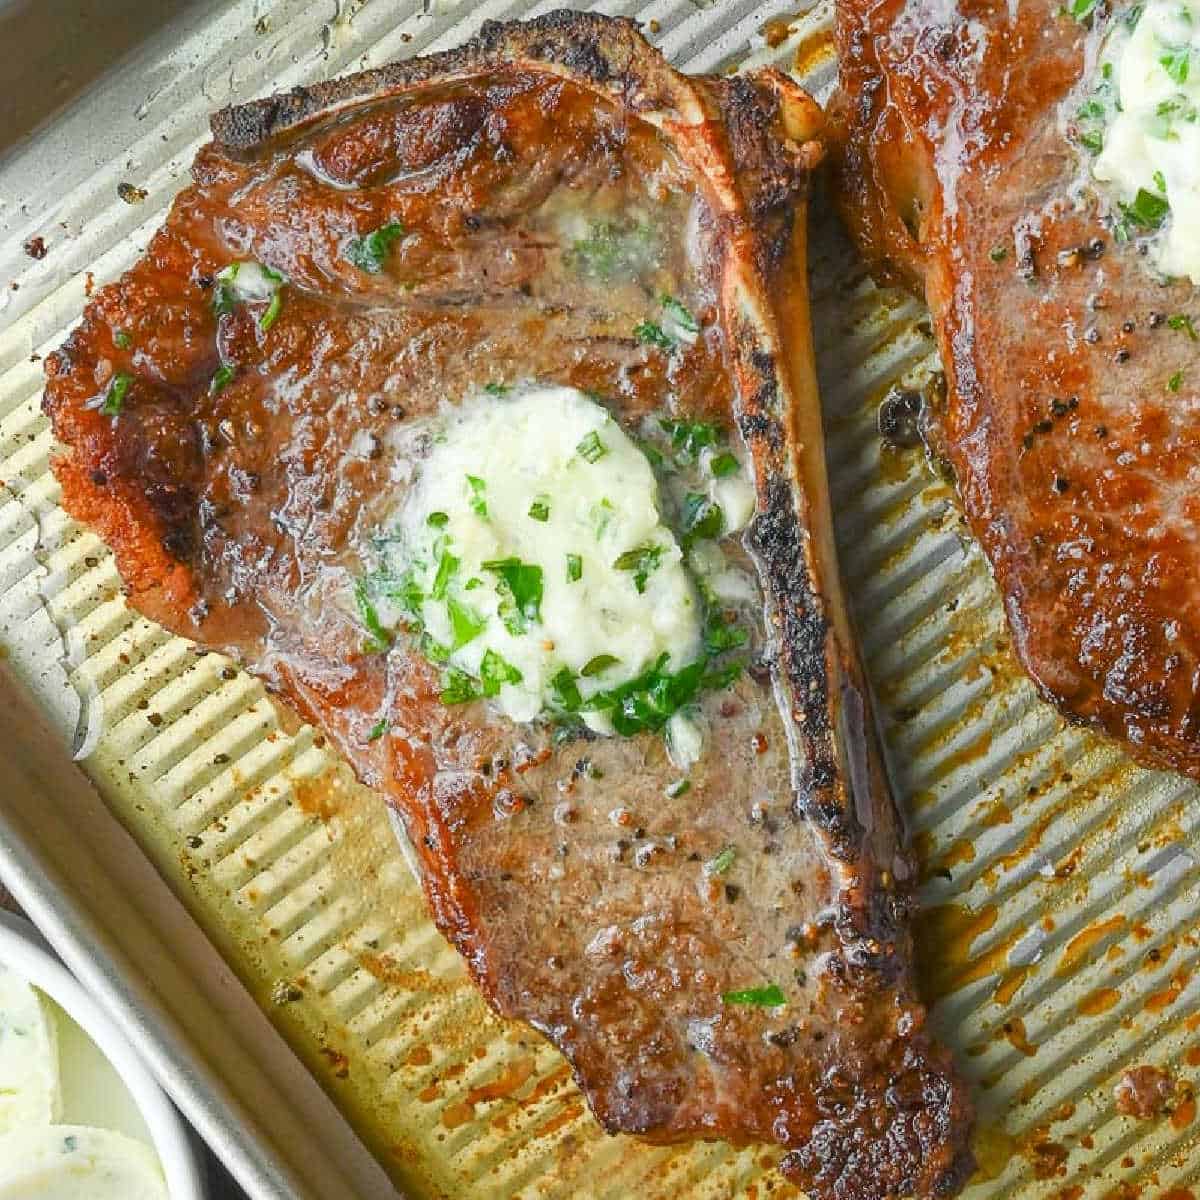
(1070, 415)
(720, 951)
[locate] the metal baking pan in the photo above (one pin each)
(241, 903)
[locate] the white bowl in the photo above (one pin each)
(22, 949)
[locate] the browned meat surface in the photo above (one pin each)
(1075, 458)
(576, 882)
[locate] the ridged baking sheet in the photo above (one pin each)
(1059, 934)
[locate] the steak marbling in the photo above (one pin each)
(1070, 418)
(240, 476)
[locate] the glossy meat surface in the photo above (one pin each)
(1070, 421)
(575, 880)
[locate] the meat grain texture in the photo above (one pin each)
(576, 883)
(1070, 417)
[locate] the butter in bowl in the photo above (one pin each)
(79, 1114)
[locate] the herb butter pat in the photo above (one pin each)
(1148, 150)
(536, 560)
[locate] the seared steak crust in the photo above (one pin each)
(570, 875)
(1075, 456)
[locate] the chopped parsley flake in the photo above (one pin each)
(602, 515)
(458, 687)
(1175, 382)
(114, 397)
(641, 560)
(439, 520)
(1081, 9)
(612, 248)
(574, 568)
(690, 437)
(765, 997)
(271, 315)
(378, 730)
(679, 788)
(724, 465)
(378, 638)
(1177, 63)
(464, 621)
(495, 389)
(1147, 210)
(222, 377)
(1184, 322)
(591, 448)
(651, 699)
(680, 314)
(520, 587)
(121, 339)
(447, 568)
(494, 672)
(701, 518)
(598, 665)
(539, 510)
(653, 335)
(478, 495)
(721, 635)
(566, 690)
(720, 863)
(369, 252)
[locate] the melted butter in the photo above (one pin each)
(1148, 83)
(547, 478)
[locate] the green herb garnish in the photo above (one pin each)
(721, 635)
(652, 335)
(612, 249)
(680, 314)
(379, 639)
(641, 560)
(121, 339)
(1175, 382)
(591, 448)
(679, 788)
(222, 377)
(690, 437)
(458, 687)
(1147, 210)
(764, 997)
(574, 568)
(271, 314)
(520, 589)
(465, 622)
(1177, 63)
(602, 515)
(434, 650)
(378, 730)
(438, 520)
(566, 690)
(496, 389)
(114, 397)
(478, 495)
(494, 672)
(369, 253)
(655, 459)
(599, 664)
(1183, 321)
(447, 568)
(721, 862)
(539, 510)
(701, 518)
(725, 464)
